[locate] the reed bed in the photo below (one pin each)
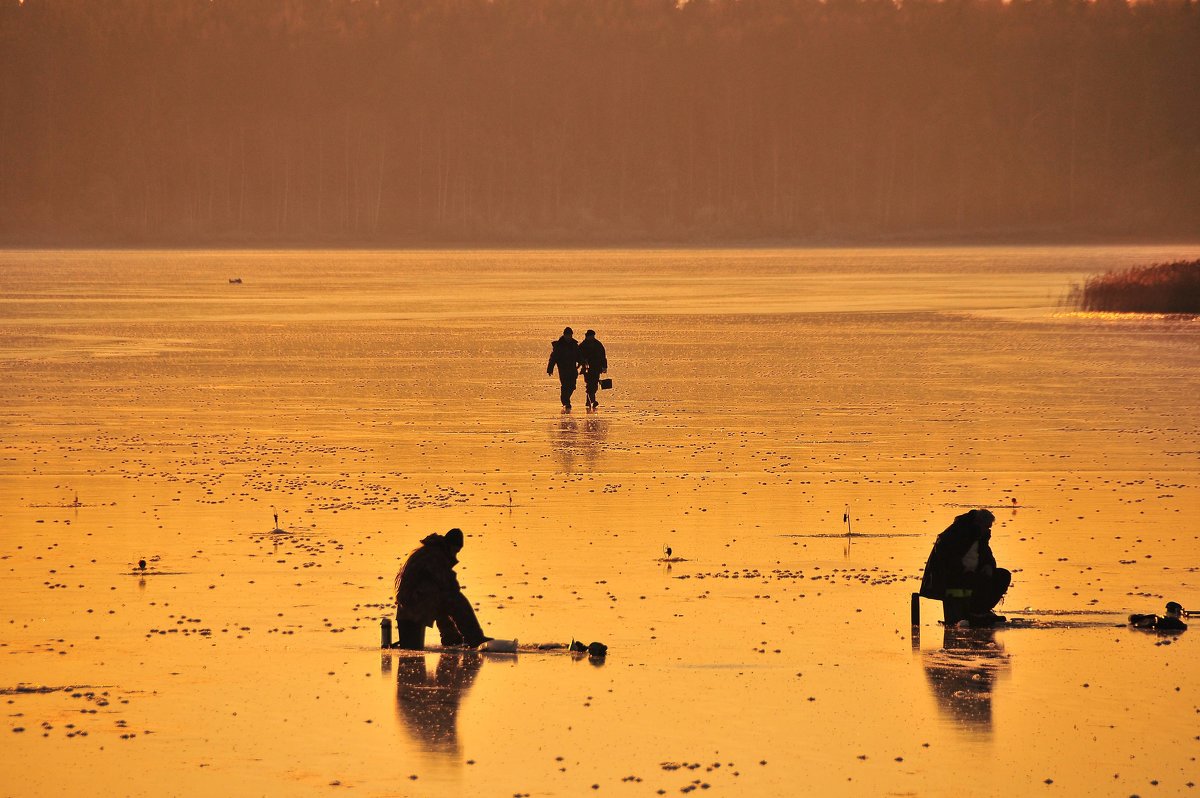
(1158, 288)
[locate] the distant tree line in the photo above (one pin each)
(392, 121)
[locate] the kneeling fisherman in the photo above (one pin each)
(961, 571)
(427, 592)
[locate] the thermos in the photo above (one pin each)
(385, 633)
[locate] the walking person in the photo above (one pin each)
(564, 353)
(595, 363)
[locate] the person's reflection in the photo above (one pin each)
(579, 439)
(428, 707)
(565, 433)
(962, 675)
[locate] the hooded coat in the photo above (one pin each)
(963, 544)
(564, 353)
(426, 583)
(591, 355)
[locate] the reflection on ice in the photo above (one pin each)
(428, 705)
(579, 442)
(963, 673)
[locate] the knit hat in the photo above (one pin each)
(455, 538)
(982, 516)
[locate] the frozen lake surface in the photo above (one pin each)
(152, 409)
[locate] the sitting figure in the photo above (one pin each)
(961, 572)
(427, 592)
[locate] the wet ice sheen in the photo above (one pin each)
(151, 409)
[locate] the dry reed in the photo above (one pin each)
(1158, 288)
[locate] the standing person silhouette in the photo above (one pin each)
(595, 363)
(564, 353)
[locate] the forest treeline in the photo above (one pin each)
(367, 122)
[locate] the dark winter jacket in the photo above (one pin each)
(592, 356)
(964, 543)
(427, 581)
(565, 354)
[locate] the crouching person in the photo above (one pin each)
(961, 571)
(427, 592)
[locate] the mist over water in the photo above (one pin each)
(152, 409)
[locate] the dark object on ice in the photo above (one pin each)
(593, 649)
(235, 280)
(141, 565)
(1157, 288)
(427, 592)
(593, 362)
(565, 354)
(961, 571)
(985, 620)
(385, 633)
(1171, 622)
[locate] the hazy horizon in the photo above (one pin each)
(199, 123)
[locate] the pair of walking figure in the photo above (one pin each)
(573, 358)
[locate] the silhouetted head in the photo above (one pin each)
(568, 331)
(590, 334)
(982, 518)
(1174, 609)
(455, 538)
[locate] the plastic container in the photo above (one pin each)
(499, 646)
